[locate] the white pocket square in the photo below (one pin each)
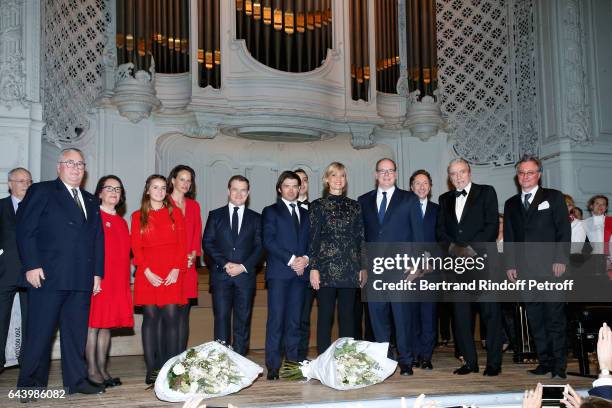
(1, 251)
(543, 205)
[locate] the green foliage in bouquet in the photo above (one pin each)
(354, 367)
(291, 370)
(205, 371)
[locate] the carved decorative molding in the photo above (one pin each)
(12, 69)
(577, 110)
(424, 118)
(134, 94)
(362, 136)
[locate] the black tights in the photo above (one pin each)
(160, 342)
(183, 329)
(96, 352)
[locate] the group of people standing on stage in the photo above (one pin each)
(74, 251)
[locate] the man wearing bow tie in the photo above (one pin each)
(539, 214)
(469, 215)
(61, 244)
(232, 239)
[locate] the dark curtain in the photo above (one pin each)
(387, 46)
(422, 55)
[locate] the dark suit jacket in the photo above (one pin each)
(479, 220)
(537, 225)
(429, 221)
(281, 240)
(219, 245)
(10, 265)
(402, 218)
(604, 391)
(53, 234)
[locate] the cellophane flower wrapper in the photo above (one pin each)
(205, 371)
(350, 364)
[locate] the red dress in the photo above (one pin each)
(161, 248)
(193, 239)
(112, 307)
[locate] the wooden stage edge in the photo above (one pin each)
(263, 393)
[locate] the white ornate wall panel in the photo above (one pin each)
(487, 77)
(20, 112)
(74, 39)
(216, 160)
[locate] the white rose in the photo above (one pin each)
(178, 369)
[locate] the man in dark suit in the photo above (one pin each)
(11, 278)
(285, 235)
(391, 214)
(468, 216)
(232, 239)
(539, 214)
(61, 244)
(424, 327)
(309, 292)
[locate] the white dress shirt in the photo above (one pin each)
(15, 202)
(379, 197)
(460, 202)
(230, 208)
(79, 195)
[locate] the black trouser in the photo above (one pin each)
(490, 312)
(7, 296)
(309, 296)
(548, 322)
(326, 298)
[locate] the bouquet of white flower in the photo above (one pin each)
(208, 370)
(346, 365)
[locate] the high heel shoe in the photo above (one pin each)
(112, 382)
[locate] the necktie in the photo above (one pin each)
(296, 220)
(235, 224)
(382, 208)
(460, 193)
(75, 194)
(526, 201)
(423, 205)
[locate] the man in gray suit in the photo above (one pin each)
(11, 282)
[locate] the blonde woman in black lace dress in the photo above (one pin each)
(336, 236)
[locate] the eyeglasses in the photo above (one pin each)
(111, 189)
(385, 172)
(527, 173)
(71, 164)
(20, 181)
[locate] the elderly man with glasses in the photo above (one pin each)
(61, 243)
(19, 179)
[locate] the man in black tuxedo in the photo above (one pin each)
(468, 215)
(61, 244)
(11, 278)
(539, 214)
(232, 239)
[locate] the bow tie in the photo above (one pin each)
(460, 193)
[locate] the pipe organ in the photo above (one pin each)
(157, 29)
(290, 69)
(288, 35)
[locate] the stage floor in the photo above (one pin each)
(263, 393)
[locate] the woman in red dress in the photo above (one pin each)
(182, 191)
(158, 245)
(112, 306)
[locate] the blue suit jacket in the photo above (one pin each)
(281, 240)
(53, 234)
(603, 391)
(219, 245)
(429, 222)
(402, 222)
